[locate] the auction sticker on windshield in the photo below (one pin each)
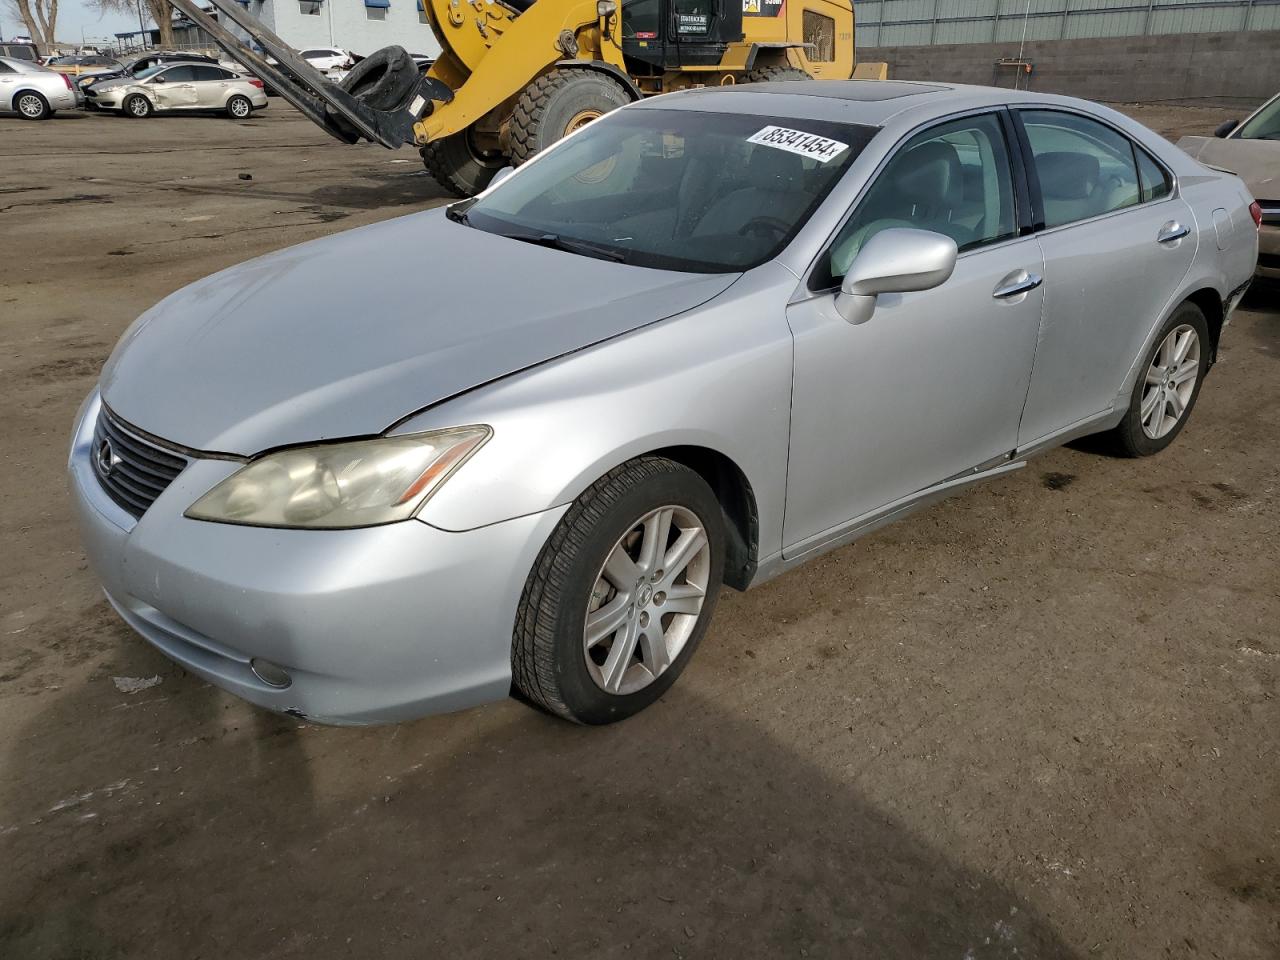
(822, 149)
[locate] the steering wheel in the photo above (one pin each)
(770, 224)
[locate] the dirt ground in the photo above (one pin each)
(1037, 721)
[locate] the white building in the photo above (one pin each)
(357, 26)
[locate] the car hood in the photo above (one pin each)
(344, 336)
(115, 83)
(1256, 162)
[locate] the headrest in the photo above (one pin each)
(1065, 175)
(772, 169)
(929, 174)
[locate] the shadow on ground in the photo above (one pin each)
(498, 832)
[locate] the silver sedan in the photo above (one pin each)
(521, 443)
(34, 92)
(180, 87)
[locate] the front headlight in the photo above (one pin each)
(339, 485)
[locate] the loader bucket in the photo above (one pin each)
(345, 115)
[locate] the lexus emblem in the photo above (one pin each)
(107, 459)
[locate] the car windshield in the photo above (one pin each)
(1264, 125)
(674, 189)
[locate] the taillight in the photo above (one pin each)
(67, 80)
(1255, 211)
(256, 83)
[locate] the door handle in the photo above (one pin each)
(1171, 231)
(1020, 281)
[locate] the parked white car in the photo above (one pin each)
(34, 92)
(327, 58)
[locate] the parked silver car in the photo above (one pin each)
(180, 87)
(34, 92)
(523, 442)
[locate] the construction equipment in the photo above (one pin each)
(517, 75)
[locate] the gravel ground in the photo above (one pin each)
(1039, 720)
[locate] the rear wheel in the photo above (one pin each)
(621, 594)
(32, 106)
(458, 165)
(137, 106)
(239, 108)
(558, 103)
(1167, 389)
(775, 72)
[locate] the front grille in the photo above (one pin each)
(133, 470)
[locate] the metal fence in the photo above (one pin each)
(895, 23)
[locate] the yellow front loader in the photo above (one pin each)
(517, 75)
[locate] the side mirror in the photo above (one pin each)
(501, 175)
(897, 260)
(157, 79)
(1224, 129)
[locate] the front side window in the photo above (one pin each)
(674, 189)
(1085, 168)
(1264, 125)
(953, 179)
(179, 75)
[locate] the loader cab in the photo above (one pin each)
(660, 35)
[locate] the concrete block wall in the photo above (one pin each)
(1188, 66)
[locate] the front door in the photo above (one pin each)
(934, 382)
(1115, 243)
(177, 89)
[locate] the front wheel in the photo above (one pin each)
(32, 106)
(558, 103)
(239, 108)
(137, 106)
(1168, 386)
(621, 594)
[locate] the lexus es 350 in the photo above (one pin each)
(520, 444)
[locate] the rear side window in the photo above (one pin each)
(209, 73)
(1085, 168)
(1156, 182)
(5, 68)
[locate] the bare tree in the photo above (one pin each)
(40, 16)
(160, 10)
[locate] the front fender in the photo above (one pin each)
(717, 377)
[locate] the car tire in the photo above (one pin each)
(590, 679)
(239, 108)
(31, 105)
(775, 72)
(136, 106)
(460, 167)
(558, 103)
(1168, 384)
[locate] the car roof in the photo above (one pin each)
(868, 102)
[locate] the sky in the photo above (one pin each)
(74, 16)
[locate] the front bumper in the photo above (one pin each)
(373, 625)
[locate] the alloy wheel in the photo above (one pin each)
(240, 108)
(1170, 382)
(30, 105)
(646, 600)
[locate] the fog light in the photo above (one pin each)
(269, 673)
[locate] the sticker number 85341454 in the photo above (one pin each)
(822, 149)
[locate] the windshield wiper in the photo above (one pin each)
(557, 242)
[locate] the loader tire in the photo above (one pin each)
(556, 104)
(382, 81)
(776, 72)
(458, 166)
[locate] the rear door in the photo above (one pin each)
(211, 87)
(1117, 241)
